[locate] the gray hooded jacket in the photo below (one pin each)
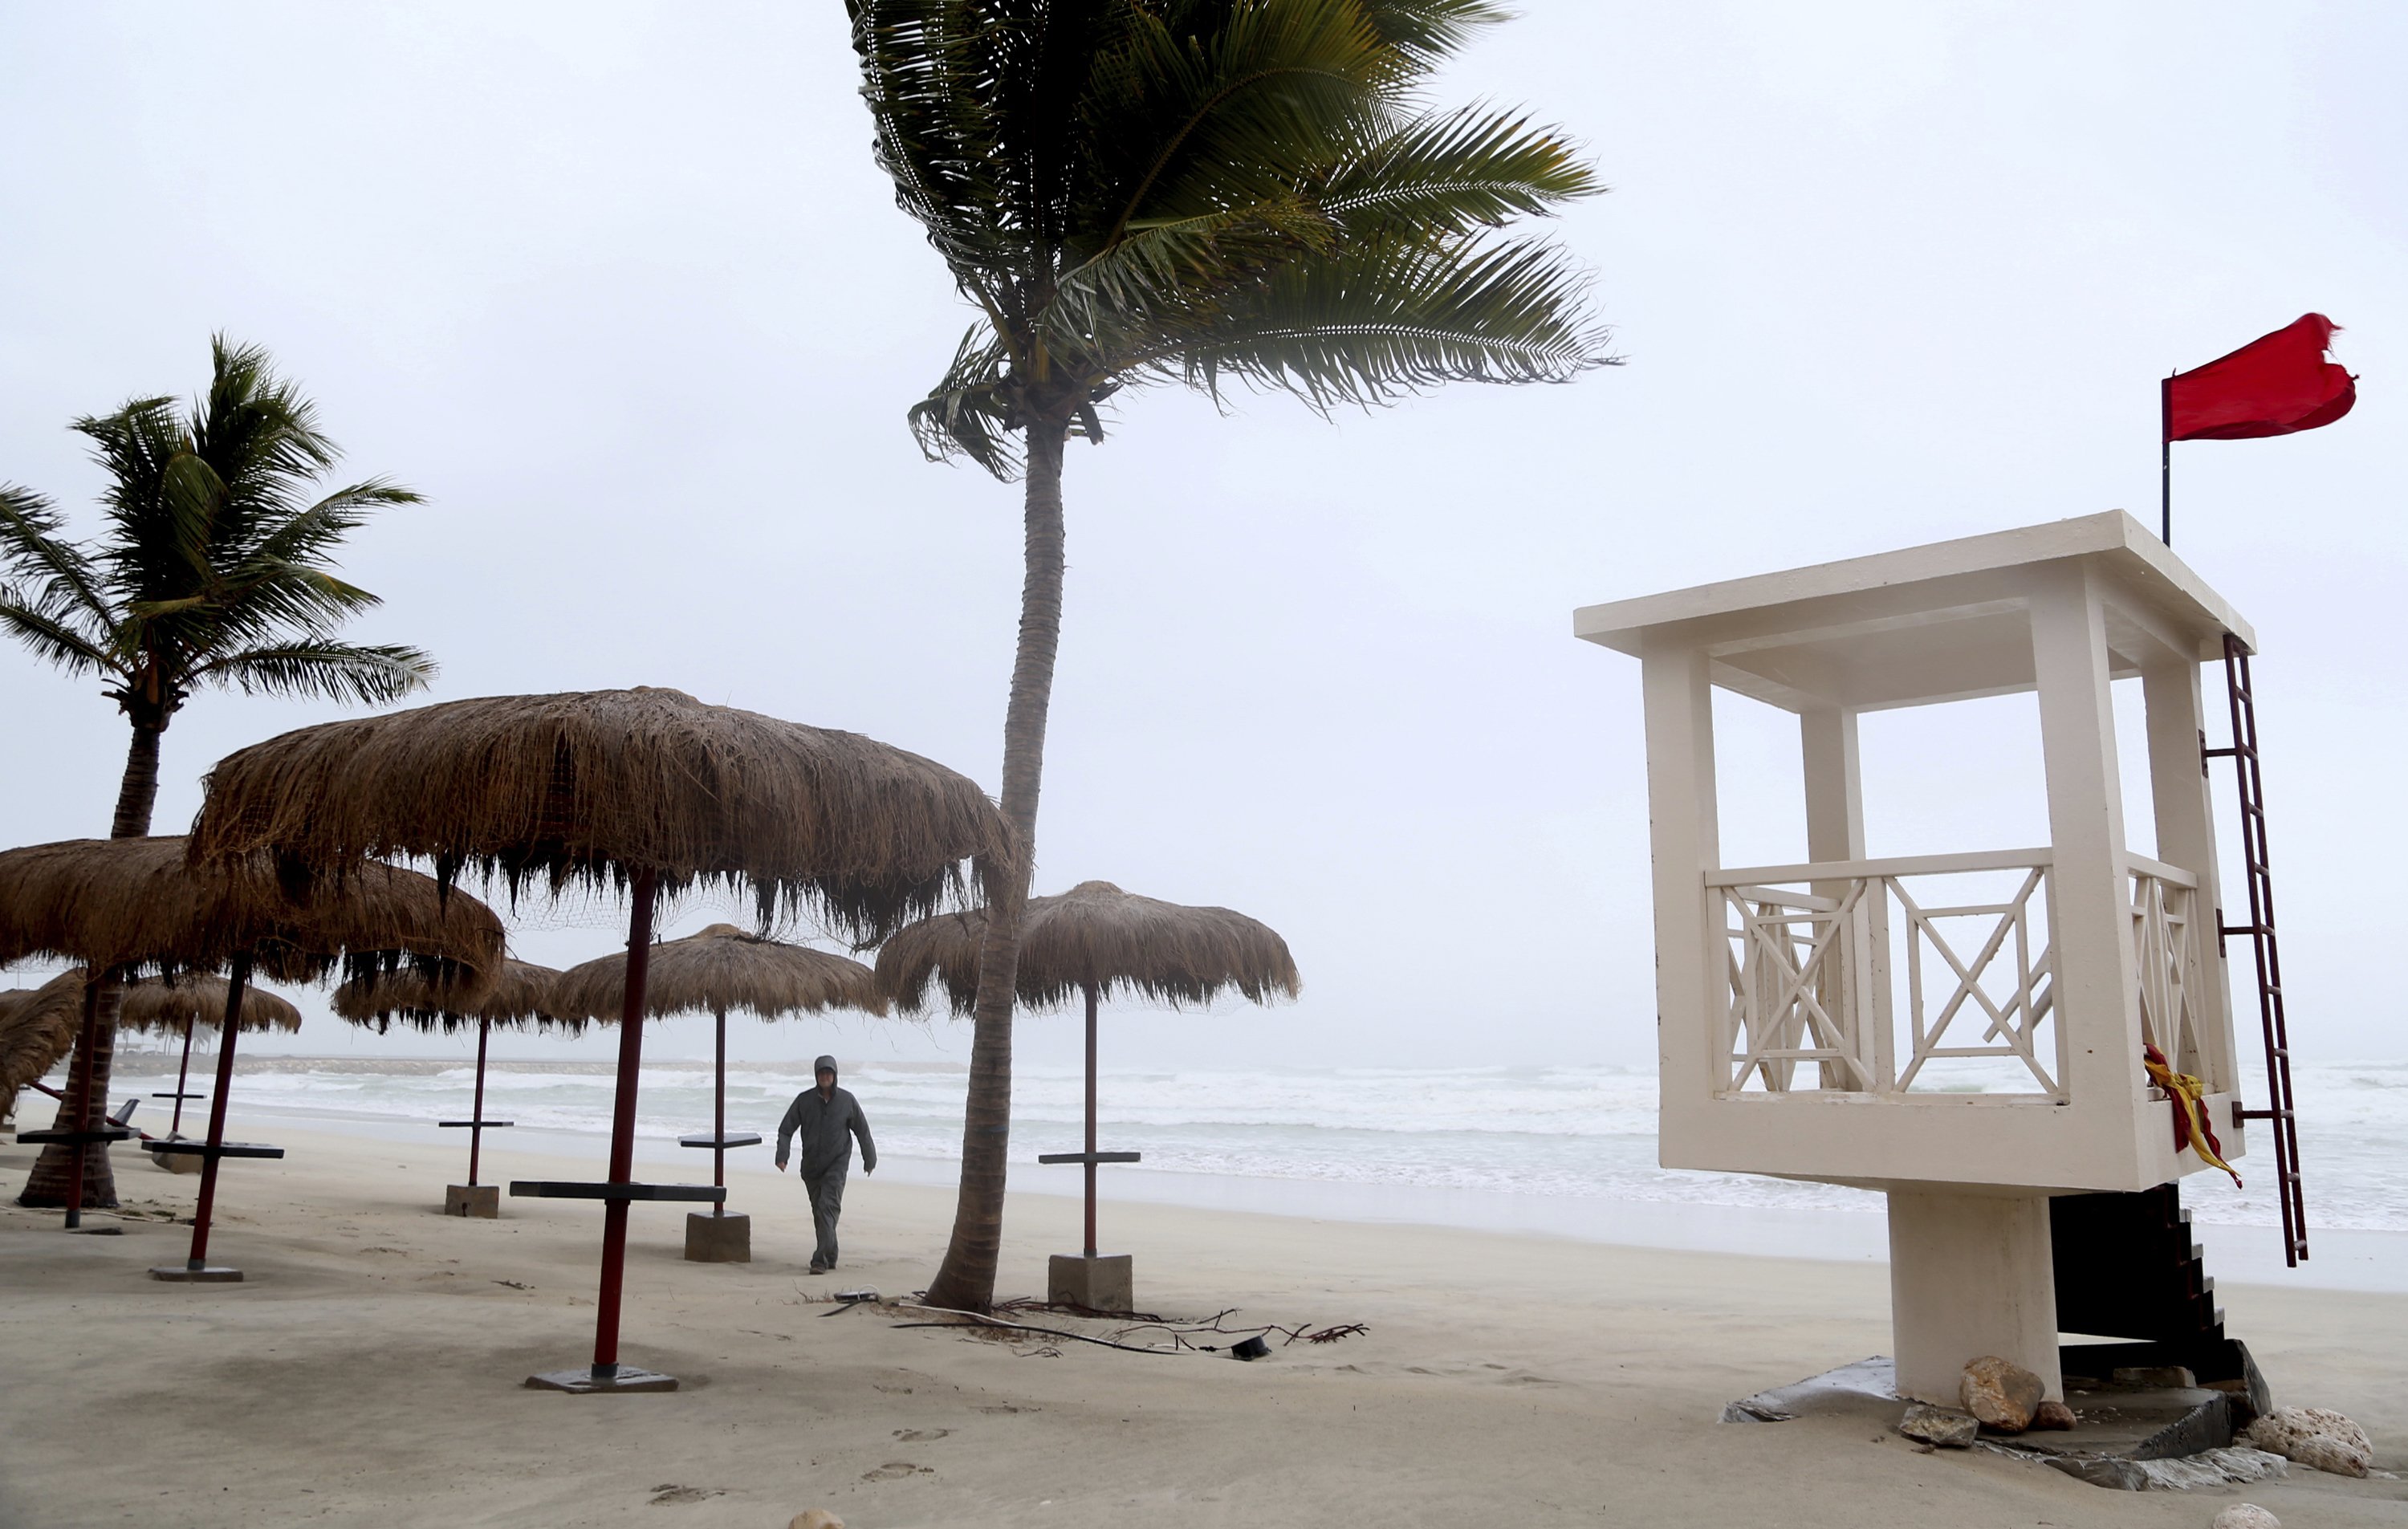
(827, 1127)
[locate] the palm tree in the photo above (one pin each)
(212, 572)
(1195, 191)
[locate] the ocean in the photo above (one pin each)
(1579, 1140)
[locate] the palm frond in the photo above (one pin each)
(970, 412)
(1431, 30)
(372, 675)
(1452, 172)
(214, 558)
(1384, 321)
(53, 639)
(47, 572)
(1185, 119)
(312, 534)
(1105, 305)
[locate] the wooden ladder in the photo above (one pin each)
(2279, 1112)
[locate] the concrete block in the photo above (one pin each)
(718, 1239)
(585, 1383)
(484, 1200)
(1102, 1283)
(177, 1161)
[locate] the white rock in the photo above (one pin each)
(816, 1518)
(2245, 1516)
(2313, 1436)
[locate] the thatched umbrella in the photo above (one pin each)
(722, 968)
(37, 1027)
(520, 997)
(161, 1005)
(649, 790)
(1093, 940)
(122, 906)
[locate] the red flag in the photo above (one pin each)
(2276, 385)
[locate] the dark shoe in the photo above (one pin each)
(818, 1267)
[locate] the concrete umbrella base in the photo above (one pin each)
(718, 1239)
(585, 1382)
(480, 1200)
(210, 1274)
(1103, 1282)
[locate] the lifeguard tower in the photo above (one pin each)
(1963, 1030)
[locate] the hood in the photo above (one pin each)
(825, 1063)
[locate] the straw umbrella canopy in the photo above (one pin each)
(182, 1004)
(162, 1006)
(1095, 938)
(646, 789)
(122, 906)
(1093, 941)
(37, 1027)
(130, 905)
(519, 998)
(721, 969)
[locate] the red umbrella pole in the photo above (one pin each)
(231, 1027)
(183, 1075)
(622, 1130)
(719, 1117)
(1091, 1119)
(476, 1115)
(85, 1040)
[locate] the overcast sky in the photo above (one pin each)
(620, 289)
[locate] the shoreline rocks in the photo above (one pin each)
(2315, 1436)
(2002, 1393)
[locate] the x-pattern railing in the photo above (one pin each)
(2012, 1020)
(2161, 944)
(1793, 946)
(1809, 975)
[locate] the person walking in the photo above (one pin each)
(827, 1118)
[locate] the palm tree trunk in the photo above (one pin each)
(965, 1280)
(47, 1185)
(138, 793)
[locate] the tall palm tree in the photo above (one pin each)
(1195, 192)
(211, 571)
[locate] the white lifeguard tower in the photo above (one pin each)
(1809, 1012)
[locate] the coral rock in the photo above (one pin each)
(2245, 1516)
(816, 1518)
(2313, 1436)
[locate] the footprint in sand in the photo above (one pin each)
(919, 1435)
(669, 1491)
(893, 1470)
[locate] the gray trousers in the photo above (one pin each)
(827, 1190)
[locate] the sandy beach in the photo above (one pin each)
(371, 1369)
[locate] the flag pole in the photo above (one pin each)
(2166, 460)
